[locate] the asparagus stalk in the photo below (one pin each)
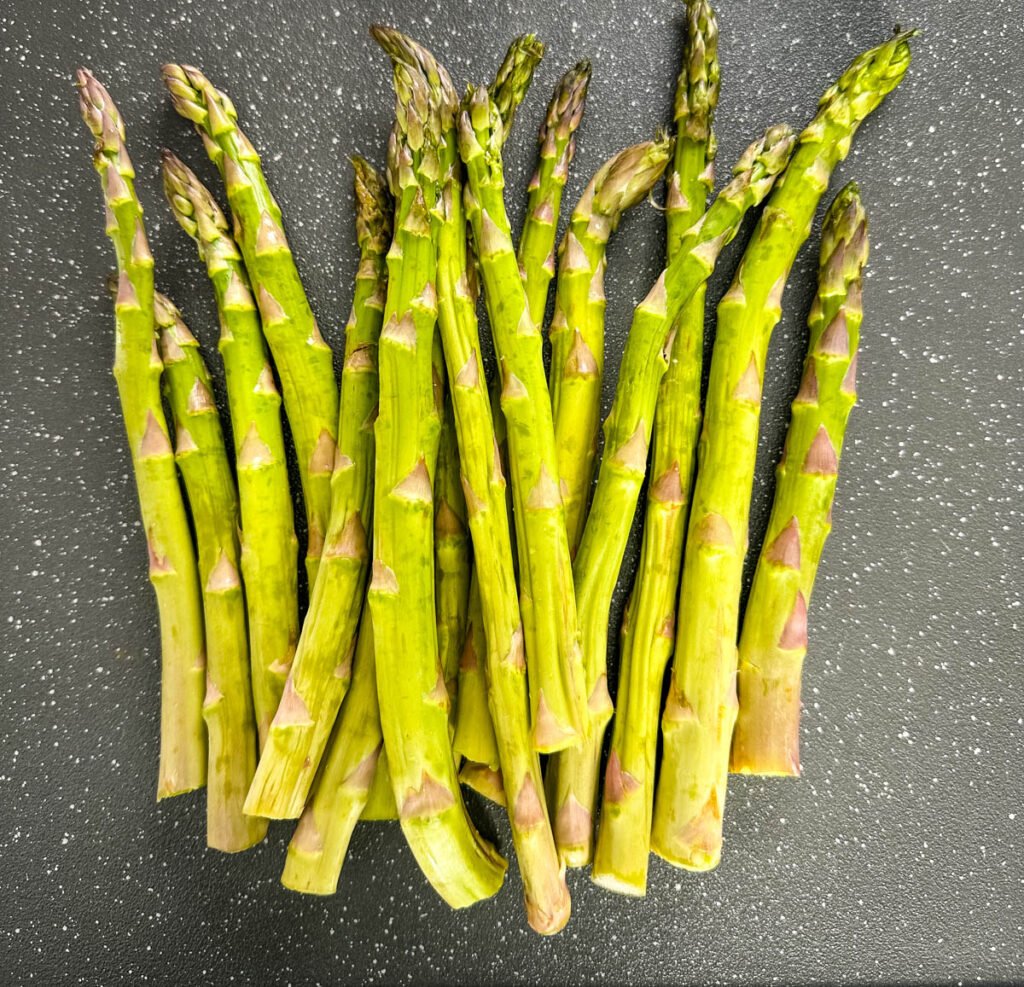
(556, 147)
(137, 370)
(573, 774)
(474, 733)
(303, 359)
(514, 75)
(624, 834)
(320, 674)
(380, 803)
(414, 703)
(700, 711)
(577, 329)
(228, 707)
(547, 600)
(269, 544)
(774, 638)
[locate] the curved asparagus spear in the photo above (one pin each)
(302, 358)
(137, 370)
(577, 328)
(547, 600)
(514, 75)
(269, 544)
(203, 461)
(774, 638)
(457, 861)
(624, 833)
(557, 145)
(573, 774)
(700, 711)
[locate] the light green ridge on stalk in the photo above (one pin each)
(320, 673)
(227, 708)
(556, 147)
(648, 627)
(573, 775)
(269, 545)
(514, 75)
(774, 638)
(700, 711)
(303, 359)
(547, 599)
(577, 327)
(137, 371)
(462, 867)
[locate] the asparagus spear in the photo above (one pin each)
(556, 146)
(203, 461)
(380, 803)
(573, 774)
(269, 544)
(700, 711)
(474, 733)
(774, 638)
(557, 697)
(137, 370)
(624, 834)
(458, 862)
(514, 75)
(577, 329)
(303, 359)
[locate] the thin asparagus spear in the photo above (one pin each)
(137, 370)
(457, 861)
(556, 147)
(474, 733)
(577, 328)
(774, 638)
(203, 460)
(573, 774)
(624, 833)
(547, 600)
(514, 75)
(700, 711)
(303, 359)
(269, 545)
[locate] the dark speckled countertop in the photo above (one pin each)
(897, 858)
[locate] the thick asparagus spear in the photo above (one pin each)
(648, 631)
(573, 774)
(269, 545)
(700, 711)
(302, 358)
(459, 863)
(556, 146)
(774, 638)
(203, 461)
(514, 75)
(577, 328)
(137, 370)
(547, 600)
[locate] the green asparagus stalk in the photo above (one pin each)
(228, 707)
(414, 703)
(577, 328)
(380, 803)
(700, 711)
(556, 147)
(269, 545)
(474, 733)
(624, 833)
(774, 638)
(514, 75)
(303, 359)
(137, 371)
(573, 774)
(547, 600)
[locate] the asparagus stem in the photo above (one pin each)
(269, 545)
(380, 803)
(302, 358)
(577, 329)
(700, 711)
(414, 703)
(573, 774)
(137, 370)
(547, 600)
(514, 75)
(203, 461)
(774, 638)
(474, 733)
(556, 147)
(624, 833)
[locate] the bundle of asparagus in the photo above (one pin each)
(461, 570)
